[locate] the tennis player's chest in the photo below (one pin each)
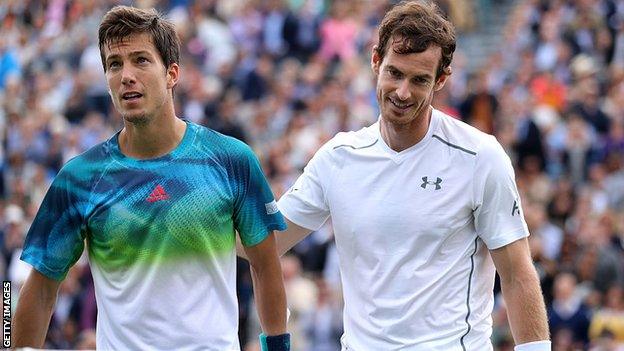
(420, 184)
(386, 204)
(177, 211)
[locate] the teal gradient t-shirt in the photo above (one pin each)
(160, 234)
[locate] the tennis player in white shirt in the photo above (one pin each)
(424, 209)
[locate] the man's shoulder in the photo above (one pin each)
(94, 159)
(220, 145)
(79, 174)
(352, 140)
(461, 135)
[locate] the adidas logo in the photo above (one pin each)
(158, 194)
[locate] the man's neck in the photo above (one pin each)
(152, 139)
(400, 137)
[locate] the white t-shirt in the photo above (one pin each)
(413, 230)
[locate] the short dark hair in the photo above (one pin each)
(414, 26)
(123, 21)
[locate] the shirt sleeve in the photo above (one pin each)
(305, 203)
(255, 210)
(55, 239)
(498, 215)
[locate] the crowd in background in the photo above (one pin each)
(285, 76)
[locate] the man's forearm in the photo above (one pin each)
(270, 298)
(284, 240)
(525, 308)
(34, 311)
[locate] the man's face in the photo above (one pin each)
(406, 83)
(138, 80)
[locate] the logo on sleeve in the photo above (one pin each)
(515, 210)
(271, 208)
(426, 182)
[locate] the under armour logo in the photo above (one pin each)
(427, 182)
(515, 209)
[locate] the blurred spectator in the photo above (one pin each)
(323, 323)
(216, 40)
(461, 13)
(339, 33)
(567, 314)
(529, 146)
(480, 106)
(9, 66)
(579, 142)
(302, 31)
(561, 203)
(608, 321)
(549, 91)
(256, 82)
(540, 227)
(273, 28)
(587, 106)
(301, 292)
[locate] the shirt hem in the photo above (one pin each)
(507, 239)
(300, 221)
(39, 267)
(269, 228)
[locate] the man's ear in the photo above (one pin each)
(173, 75)
(375, 60)
(442, 79)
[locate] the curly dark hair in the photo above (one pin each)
(413, 26)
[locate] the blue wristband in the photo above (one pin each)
(275, 342)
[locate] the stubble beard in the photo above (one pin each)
(143, 118)
(140, 120)
(135, 119)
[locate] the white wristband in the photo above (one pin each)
(543, 345)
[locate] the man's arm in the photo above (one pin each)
(285, 240)
(34, 310)
(522, 292)
(270, 297)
